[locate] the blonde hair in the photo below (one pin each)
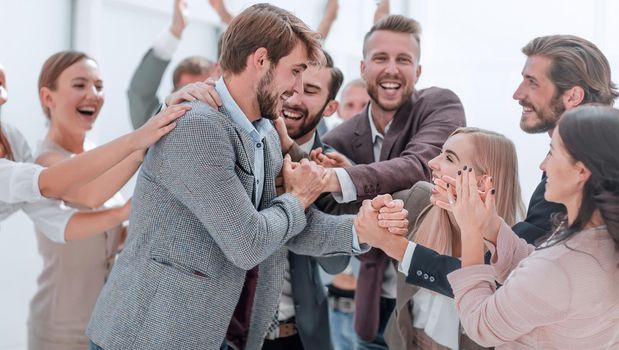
(495, 155)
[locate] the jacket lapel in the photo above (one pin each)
(398, 125)
(363, 151)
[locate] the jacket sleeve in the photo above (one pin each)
(142, 92)
(198, 166)
(324, 235)
(402, 172)
(539, 216)
(538, 294)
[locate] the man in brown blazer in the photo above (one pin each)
(390, 144)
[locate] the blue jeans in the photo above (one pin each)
(342, 330)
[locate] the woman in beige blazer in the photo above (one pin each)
(562, 294)
(423, 319)
(71, 93)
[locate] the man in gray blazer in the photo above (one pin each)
(205, 209)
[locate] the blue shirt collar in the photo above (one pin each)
(258, 129)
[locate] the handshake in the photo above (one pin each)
(382, 223)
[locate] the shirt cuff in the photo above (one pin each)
(405, 264)
(349, 191)
(36, 189)
(165, 45)
(355, 241)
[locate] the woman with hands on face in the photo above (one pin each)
(563, 293)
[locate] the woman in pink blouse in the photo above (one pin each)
(562, 294)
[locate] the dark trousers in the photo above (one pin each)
(292, 342)
(378, 343)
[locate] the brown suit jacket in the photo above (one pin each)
(398, 334)
(416, 135)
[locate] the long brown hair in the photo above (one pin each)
(576, 62)
(495, 155)
(4, 142)
(589, 134)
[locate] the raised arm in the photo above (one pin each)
(142, 92)
(71, 174)
(444, 114)
(329, 17)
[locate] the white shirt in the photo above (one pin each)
(19, 189)
(349, 193)
(307, 147)
(165, 45)
(436, 314)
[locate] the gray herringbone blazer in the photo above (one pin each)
(194, 233)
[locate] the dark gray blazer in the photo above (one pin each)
(142, 92)
(308, 293)
(194, 234)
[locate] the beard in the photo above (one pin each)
(310, 122)
(547, 118)
(406, 92)
(267, 97)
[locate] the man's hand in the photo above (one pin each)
(391, 214)
(370, 232)
(179, 18)
(330, 159)
(202, 91)
(305, 180)
(284, 139)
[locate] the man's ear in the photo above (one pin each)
(417, 73)
(362, 69)
(573, 97)
(330, 108)
(259, 59)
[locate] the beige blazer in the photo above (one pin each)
(398, 333)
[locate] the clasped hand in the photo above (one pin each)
(379, 219)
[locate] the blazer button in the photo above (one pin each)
(425, 276)
(431, 278)
(419, 273)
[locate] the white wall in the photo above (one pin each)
(471, 47)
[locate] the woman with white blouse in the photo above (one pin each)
(26, 186)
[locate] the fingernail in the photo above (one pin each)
(491, 179)
(493, 191)
(464, 167)
(459, 172)
(447, 185)
(470, 169)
